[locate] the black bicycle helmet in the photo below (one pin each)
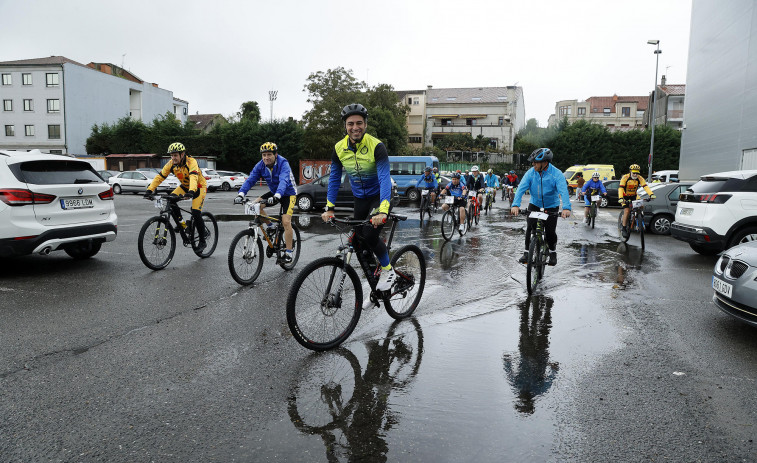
(540, 155)
(354, 108)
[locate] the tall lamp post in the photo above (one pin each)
(273, 93)
(654, 105)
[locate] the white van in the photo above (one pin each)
(665, 176)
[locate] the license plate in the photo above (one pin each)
(686, 210)
(424, 192)
(595, 198)
(449, 200)
(76, 203)
(722, 287)
(538, 215)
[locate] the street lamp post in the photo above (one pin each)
(272, 97)
(654, 105)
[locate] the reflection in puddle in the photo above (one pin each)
(612, 262)
(348, 409)
(529, 371)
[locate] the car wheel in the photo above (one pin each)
(603, 201)
(304, 202)
(660, 224)
(413, 195)
(226, 186)
(744, 235)
(703, 250)
(116, 189)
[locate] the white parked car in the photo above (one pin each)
(718, 212)
(212, 177)
(136, 181)
(51, 202)
(231, 180)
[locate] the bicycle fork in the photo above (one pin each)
(333, 300)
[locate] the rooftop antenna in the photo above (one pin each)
(123, 57)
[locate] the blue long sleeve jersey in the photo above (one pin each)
(279, 178)
(367, 165)
(592, 185)
(547, 188)
(491, 180)
(427, 182)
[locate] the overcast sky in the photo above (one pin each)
(217, 54)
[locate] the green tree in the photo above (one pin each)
(249, 110)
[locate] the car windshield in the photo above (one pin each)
(568, 175)
(716, 185)
(210, 172)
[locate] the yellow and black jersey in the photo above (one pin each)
(188, 173)
(630, 187)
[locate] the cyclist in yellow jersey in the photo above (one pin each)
(628, 191)
(193, 184)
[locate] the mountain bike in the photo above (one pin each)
(538, 251)
(451, 220)
(635, 221)
(474, 209)
(489, 199)
(157, 238)
(246, 251)
(508, 191)
(326, 299)
(427, 207)
(594, 208)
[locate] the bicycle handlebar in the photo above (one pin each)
(357, 222)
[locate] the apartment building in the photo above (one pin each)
(669, 106)
(52, 103)
(496, 113)
(614, 112)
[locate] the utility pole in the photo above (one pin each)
(272, 97)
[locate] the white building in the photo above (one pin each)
(52, 103)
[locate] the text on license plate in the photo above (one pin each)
(686, 210)
(722, 287)
(76, 203)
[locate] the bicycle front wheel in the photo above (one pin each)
(640, 226)
(533, 267)
(406, 292)
(477, 215)
(296, 245)
(593, 213)
(623, 239)
(245, 257)
(321, 312)
(156, 243)
(209, 228)
(423, 206)
(448, 225)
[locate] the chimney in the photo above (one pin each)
(662, 81)
(429, 87)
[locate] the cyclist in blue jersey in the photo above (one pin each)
(366, 161)
(275, 170)
(458, 190)
(428, 181)
(491, 181)
(593, 184)
(548, 189)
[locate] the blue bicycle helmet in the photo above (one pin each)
(456, 175)
(540, 155)
(512, 171)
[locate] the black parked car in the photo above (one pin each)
(313, 195)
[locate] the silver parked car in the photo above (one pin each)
(734, 280)
(136, 181)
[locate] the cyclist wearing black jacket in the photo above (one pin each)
(476, 182)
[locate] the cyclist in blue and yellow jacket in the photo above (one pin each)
(429, 182)
(275, 170)
(548, 189)
(366, 161)
(458, 191)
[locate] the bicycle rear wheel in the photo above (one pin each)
(156, 243)
(209, 228)
(448, 225)
(296, 245)
(406, 292)
(533, 267)
(245, 257)
(321, 313)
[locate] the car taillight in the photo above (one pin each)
(233, 178)
(13, 197)
(206, 177)
(107, 194)
(713, 198)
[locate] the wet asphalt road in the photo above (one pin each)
(619, 356)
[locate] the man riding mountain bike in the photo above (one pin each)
(628, 190)
(428, 181)
(193, 184)
(548, 189)
(593, 184)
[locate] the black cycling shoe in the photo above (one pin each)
(552, 259)
(524, 258)
(201, 246)
(287, 258)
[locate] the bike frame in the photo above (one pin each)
(257, 223)
(164, 203)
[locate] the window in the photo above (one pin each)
(501, 120)
(502, 98)
(625, 111)
(446, 121)
(56, 151)
(28, 105)
(53, 131)
(26, 78)
(493, 143)
(565, 110)
(53, 106)
(416, 100)
(470, 122)
(29, 130)
(7, 105)
(606, 111)
(10, 131)
(581, 111)
(51, 79)
(415, 139)
(409, 100)
(475, 98)
(7, 79)
(185, 111)
(406, 168)
(451, 98)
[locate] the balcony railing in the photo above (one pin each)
(439, 124)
